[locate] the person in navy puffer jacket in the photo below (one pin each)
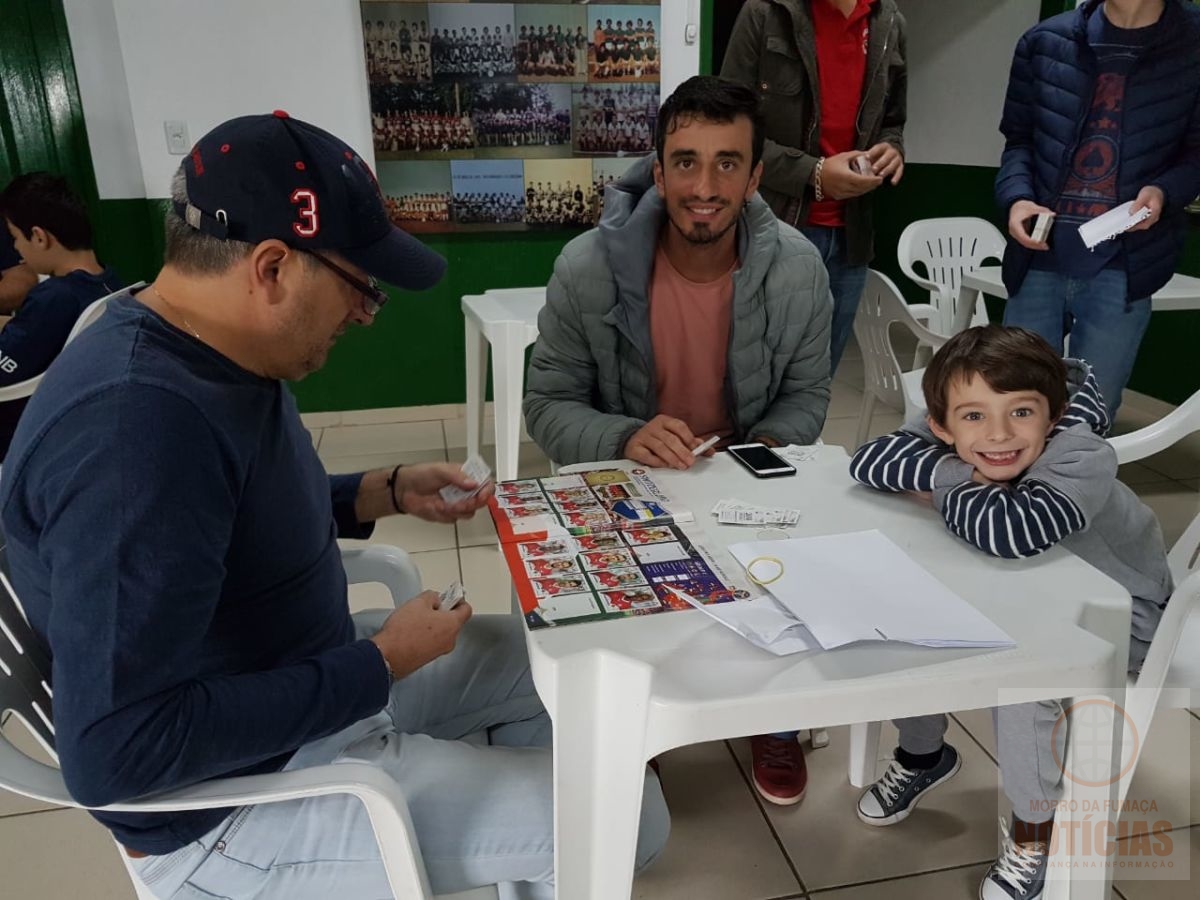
(1103, 107)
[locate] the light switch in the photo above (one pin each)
(177, 137)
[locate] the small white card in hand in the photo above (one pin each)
(451, 597)
(1116, 221)
(475, 469)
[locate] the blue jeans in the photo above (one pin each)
(484, 813)
(846, 283)
(1105, 328)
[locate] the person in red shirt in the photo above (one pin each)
(832, 79)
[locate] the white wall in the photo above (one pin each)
(204, 62)
(104, 92)
(959, 54)
(143, 62)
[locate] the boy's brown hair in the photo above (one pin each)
(1008, 359)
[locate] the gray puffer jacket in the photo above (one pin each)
(591, 381)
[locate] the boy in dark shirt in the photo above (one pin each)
(50, 231)
(16, 278)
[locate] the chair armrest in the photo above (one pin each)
(924, 335)
(380, 795)
(1159, 435)
(389, 566)
(922, 312)
(20, 390)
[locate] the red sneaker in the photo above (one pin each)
(780, 774)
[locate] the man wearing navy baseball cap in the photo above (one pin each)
(172, 535)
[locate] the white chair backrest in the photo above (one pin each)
(88, 317)
(1154, 438)
(881, 306)
(947, 248)
(24, 665)
(93, 312)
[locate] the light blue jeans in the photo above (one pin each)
(846, 283)
(1105, 328)
(484, 814)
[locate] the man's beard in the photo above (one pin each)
(701, 235)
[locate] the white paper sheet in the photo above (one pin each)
(862, 587)
(1116, 221)
(762, 621)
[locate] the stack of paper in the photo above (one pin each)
(862, 587)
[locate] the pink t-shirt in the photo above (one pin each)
(689, 329)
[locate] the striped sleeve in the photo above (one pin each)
(900, 461)
(1087, 408)
(1011, 522)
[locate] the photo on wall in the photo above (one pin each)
(396, 42)
(417, 195)
(614, 119)
(559, 192)
(507, 116)
(522, 120)
(488, 192)
(551, 42)
(422, 121)
(472, 39)
(624, 43)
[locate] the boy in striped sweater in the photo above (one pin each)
(1012, 455)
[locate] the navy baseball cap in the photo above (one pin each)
(254, 178)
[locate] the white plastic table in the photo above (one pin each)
(1181, 292)
(507, 319)
(620, 692)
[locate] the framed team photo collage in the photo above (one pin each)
(508, 116)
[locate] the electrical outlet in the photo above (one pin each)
(177, 137)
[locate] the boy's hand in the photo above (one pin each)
(1020, 213)
(1151, 198)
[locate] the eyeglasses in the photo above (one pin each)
(374, 297)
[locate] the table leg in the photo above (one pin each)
(599, 767)
(476, 383)
(864, 753)
(1085, 827)
(508, 388)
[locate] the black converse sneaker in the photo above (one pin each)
(1019, 873)
(892, 797)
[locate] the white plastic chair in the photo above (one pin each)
(881, 307)
(25, 691)
(1170, 675)
(93, 312)
(946, 248)
(507, 319)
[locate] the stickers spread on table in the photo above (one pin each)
(604, 544)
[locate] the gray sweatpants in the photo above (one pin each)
(1030, 751)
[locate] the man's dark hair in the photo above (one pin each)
(1008, 359)
(45, 201)
(711, 99)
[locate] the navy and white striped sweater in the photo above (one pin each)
(1069, 496)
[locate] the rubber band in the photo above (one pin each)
(764, 559)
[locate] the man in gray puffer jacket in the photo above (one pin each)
(691, 311)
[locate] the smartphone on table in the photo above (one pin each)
(761, 460)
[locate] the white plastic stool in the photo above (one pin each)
(507, 319)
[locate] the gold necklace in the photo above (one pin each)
(175, 309)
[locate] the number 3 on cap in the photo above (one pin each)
(309, 223)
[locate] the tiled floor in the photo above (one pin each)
(724, 844)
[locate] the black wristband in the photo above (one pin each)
(391, 483)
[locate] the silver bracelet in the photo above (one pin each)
(817, 192)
